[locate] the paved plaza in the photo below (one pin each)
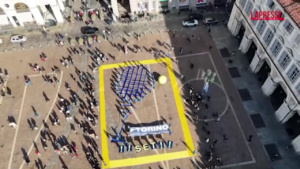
(26, 100)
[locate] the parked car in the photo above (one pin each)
(18, 38)
(195, 16)
(190, 23)
(210, 21)
(89, 30)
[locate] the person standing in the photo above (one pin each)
(191, 65)
(35, 114)
(169, 55)
(37, 152)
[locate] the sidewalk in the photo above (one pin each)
(35, 38)
(259, 105)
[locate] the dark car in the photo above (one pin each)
(195, 16)
(210, 21)
(89, 30)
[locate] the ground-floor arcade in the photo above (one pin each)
(273, 85)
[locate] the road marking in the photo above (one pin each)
(234, 113)
(188, 55)
(158, 117)
(40, 74)
(17, 129)
(42, 127)
(198, 74)
(221, 87)
(178, 102)
(238, 164)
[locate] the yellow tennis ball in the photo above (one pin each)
(162, 79)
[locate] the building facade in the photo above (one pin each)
(278, 45)
(19, 12)
(154, 6)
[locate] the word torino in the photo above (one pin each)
(266, 15)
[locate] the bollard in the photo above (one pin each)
(31, 47)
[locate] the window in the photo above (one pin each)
(298, 88)
(268, 36)
(248, 8)
(284, 60)
(253, 13)
(297, 40)
(276, 48)
(261, 27)
(293, 74)
(288, 26)
(270, 4)
(242, 3)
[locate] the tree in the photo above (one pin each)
(84, 16)
(72, 42)
(101, 13)
(72, 19)
(98, 39)
(90, 40)
(80, 41)
(93, 17)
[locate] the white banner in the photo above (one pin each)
(184, 2)
(149, 130)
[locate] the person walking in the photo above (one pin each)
(27, 160)
(250, 138)
(35, 114)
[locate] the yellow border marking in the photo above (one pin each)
(144, 62)
(145, 159)
(149, 159)
(184, 125)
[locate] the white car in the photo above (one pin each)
(189, 23)
(18, 38)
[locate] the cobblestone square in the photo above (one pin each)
(17, 143)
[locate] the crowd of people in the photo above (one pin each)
(87, 105)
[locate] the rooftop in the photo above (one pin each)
(292, 7)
